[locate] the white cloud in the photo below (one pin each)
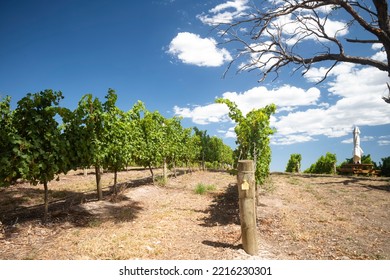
(359, 103)
(324, 105)
(384, 140)
(310, 122)
(337, 120)
(367, 138)
(347, 141)
(305, 27)
(290, 139)
(285, 97)
(302, 115)
(360, 83)
(380, 52)
(377, 46)
(224, 13)
(211, 113)
(264, 54)
(192, 49)
(362, 139)
(326, 9)
(349, 79)
(380, 56)
(230, 133)
(316, 74)
(261, 56)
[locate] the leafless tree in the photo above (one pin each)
(277, 33)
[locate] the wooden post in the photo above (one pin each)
(247, 198)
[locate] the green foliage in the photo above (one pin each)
(219, 152)
(213, 152)
(385, 167)
(35, 147)
(13, 156)
(294, 163)
(40, 134)
(34, 123)
(116, 137)
(150, 137)
(84, 134)
(191, 147)
(99, 135)
(324, 165)
(253, 133)
(366, 159)
(172, 143)
(203, 188)
(161, 141)
(204, 139)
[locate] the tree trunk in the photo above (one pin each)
(174, 169)
(203, 163)
(98, 182)
(46, 202)
(115, 180)
(188, 166)
(165, 171)
(85, 172)
(151, 171)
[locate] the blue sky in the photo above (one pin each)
(165, 53)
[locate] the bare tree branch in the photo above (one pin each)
(362, 41)
(274, 34)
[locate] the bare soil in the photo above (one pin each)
(299, 217)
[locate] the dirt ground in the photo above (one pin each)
(299, 217)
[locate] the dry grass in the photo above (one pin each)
(329, 217)
(300, 217)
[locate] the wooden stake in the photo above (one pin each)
(247, 198)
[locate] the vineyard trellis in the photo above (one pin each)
(40, 139)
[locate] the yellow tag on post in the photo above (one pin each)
(245, 185)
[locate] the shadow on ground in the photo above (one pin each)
(224, 209)
(222, 245)
(382, 185)
(60, 210)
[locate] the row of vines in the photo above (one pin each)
(40, 140)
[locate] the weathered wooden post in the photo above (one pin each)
(247, 199)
